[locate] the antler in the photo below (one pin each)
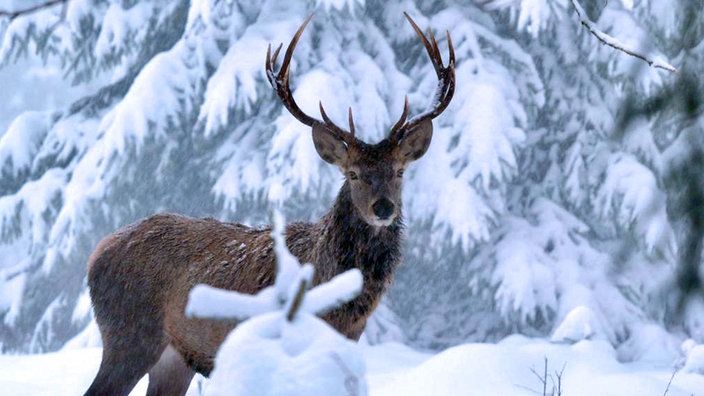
(446, 83)
(280, 82)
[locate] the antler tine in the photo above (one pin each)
(445, 93)
(452, 49)
(435, 56)
(271, 61)
(351, 121)
(322, 112)
(446, 79)
(401, 121)
(292, 46)
(280, 82)
(419, 32)
(347, 137)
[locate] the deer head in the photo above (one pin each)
(374, 172)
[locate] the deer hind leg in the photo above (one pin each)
(120, 370)
(170, 375)
(130, 348)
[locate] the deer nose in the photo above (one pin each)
(383, 208)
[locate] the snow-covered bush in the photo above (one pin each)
(282, 348)
(268, 355)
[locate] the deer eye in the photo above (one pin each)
(353, 175)
(399, 173)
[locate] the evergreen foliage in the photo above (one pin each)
(565, 175)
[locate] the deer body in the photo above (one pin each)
(230, 256)
(140, 276)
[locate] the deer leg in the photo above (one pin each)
(170, 375)
(130, 349)
(119, 372)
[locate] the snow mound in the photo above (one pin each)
(516, 365)
(694, 362)
(649, 343)
(267, 357)
(578, 325)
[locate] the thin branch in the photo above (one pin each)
(543, 378)
(14, 14)
(297, 301)
(615, 43)
(672, 377)
(558, 375)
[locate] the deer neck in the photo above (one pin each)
(350, 242)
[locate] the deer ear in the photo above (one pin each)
(329, 147)
(415, 141)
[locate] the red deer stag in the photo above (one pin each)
(141, 275)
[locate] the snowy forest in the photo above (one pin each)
(562, 196)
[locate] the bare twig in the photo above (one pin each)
(615, 43)
(544, 377)
(14, 14)
(672, 377)
(297, 301)
(558, 375)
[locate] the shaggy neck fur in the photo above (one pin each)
(347, 241)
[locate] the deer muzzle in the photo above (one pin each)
(383, 208)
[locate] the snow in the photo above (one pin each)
(211, 302)
(525, 215)
(694, 362)
(649, 344)
(335, 292)
(493, 135)
(340, 4)
(631, 195)
(119, 25)
(9, 301)
(505, 368)
(234, 84)
(23, 139)
(269, 356)
(523, 275)
(29, 205)
(146, 104)
(578, 325)
(533, 15)
(695, 318)
(659, 61)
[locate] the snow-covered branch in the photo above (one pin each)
(553, 228)
(14, 14)
(617, 44)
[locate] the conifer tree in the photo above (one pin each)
(562, 181)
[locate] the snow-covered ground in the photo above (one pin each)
(511, 367)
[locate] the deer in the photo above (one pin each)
(140, 276)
